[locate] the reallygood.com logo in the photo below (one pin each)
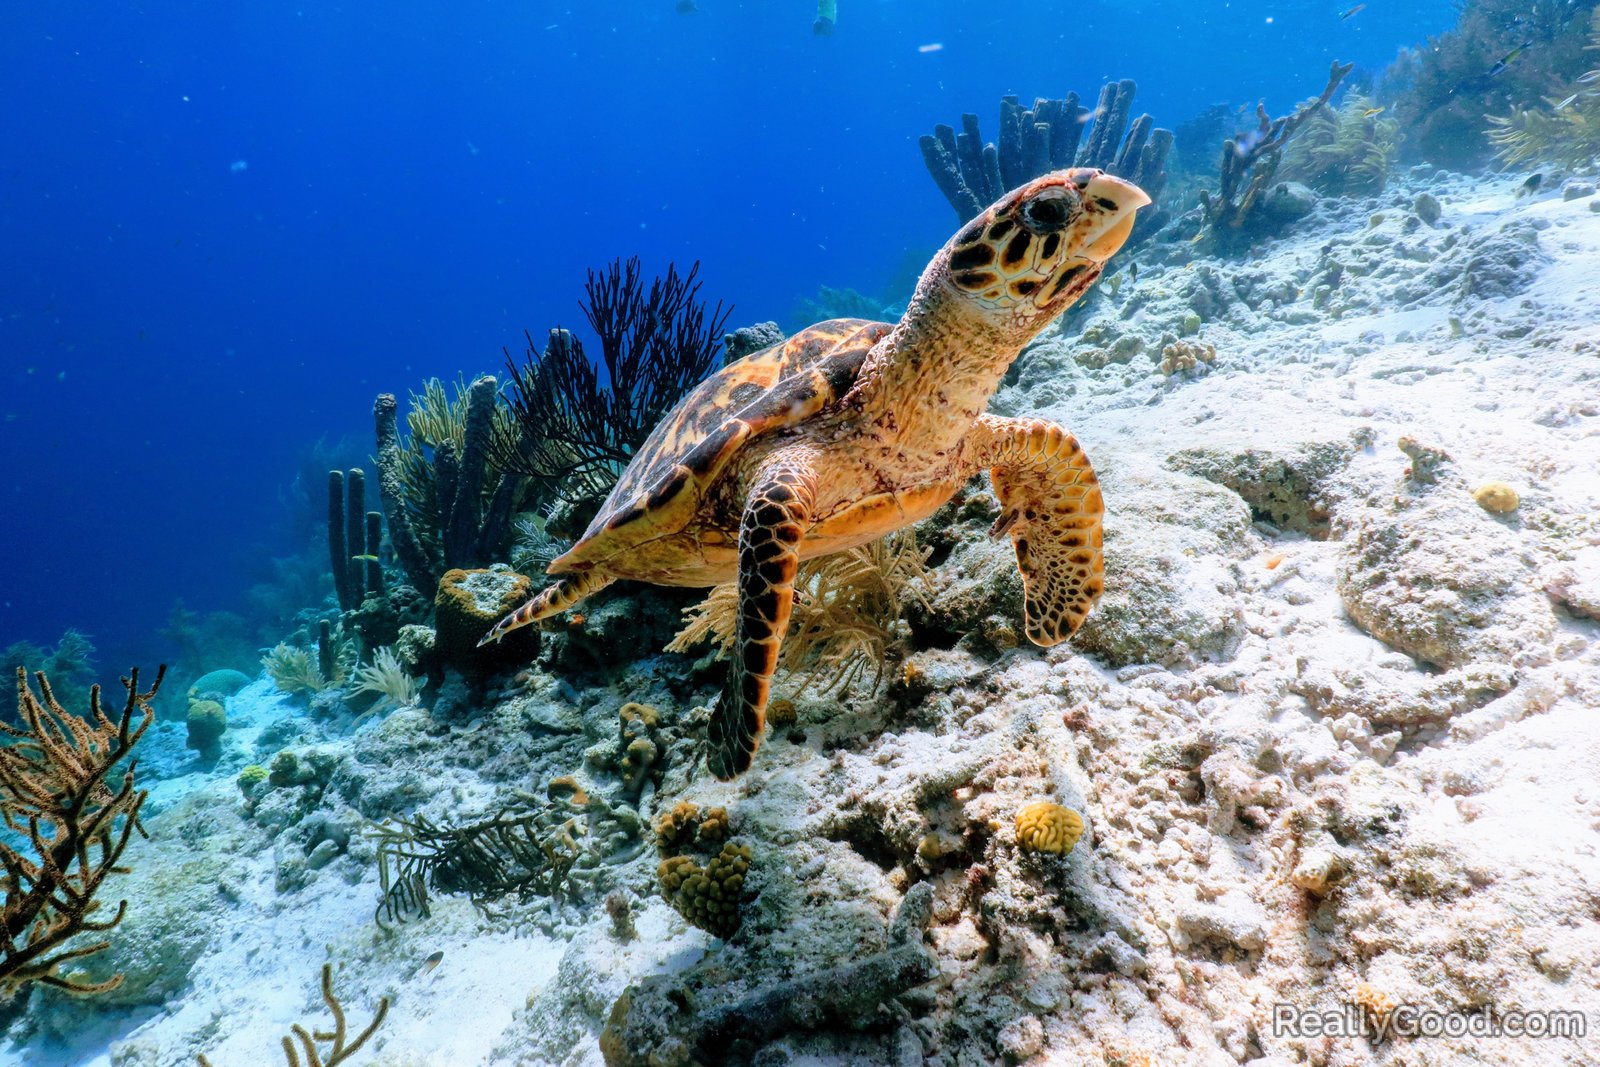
(1414, 1020)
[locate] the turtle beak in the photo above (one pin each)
(1111, 205)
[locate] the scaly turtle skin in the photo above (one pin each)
(850, 430)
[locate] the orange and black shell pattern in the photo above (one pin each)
(776, 387)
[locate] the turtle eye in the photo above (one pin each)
(1049, 212)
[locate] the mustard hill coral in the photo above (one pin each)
(1497, 497)
(55, 796)
(1186, 355)
(1048, 827)
(708, 897)
(686, 823)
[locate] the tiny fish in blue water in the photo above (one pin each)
(429, 964)
(1352, 12)
(1372, 111)
(933, 47)
(1531, 186)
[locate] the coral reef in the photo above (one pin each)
(1045, 137)
(1503, 57)
(652, 1023)
(1497, 497)
(341, 1046)
(55, 796)
(446, 506)
(1568, 134)
(467, 606)
(747, 339)
(1241, 211)
(1343, 151)
(573, 435)
(70, 663)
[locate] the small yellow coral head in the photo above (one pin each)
(1048, 827)
(1497, 497)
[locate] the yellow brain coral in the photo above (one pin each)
(708, 897)
(1048, 827)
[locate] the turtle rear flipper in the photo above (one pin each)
(775, 521)
(1050, 504)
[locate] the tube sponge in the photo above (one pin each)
(1048, 827)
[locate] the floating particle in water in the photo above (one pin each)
(932, 46)
(238, 166)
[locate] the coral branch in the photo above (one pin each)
(339, 1037)
(53, 792)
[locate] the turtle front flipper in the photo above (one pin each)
(776, 517)
(1050, 504)
(555, 598)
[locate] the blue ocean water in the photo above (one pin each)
(224, 228)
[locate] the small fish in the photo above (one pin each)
(1352, 13)
(366, 559)
(933, 46)
(1531, 186)
(1500, 67)
(1371, 111)
(1568, 102)
(1589, 78)
(429, 964)
(1133, 272)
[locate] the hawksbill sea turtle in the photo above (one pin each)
(850, 430)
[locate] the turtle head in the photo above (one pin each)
(1037, 249)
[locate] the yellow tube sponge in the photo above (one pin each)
(1048, 827)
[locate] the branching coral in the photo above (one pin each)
(446, 506)
(1233, 216)
(846, 609)
(388, 677)
(1045, 137)
(54, 793)
(574, 435)
(1345, 150)
(341, 1045)
(1568, 134)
